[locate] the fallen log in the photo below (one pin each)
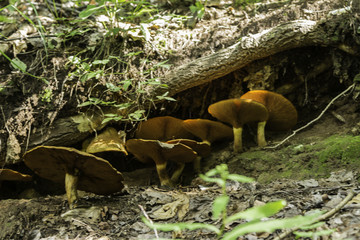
(329, 32)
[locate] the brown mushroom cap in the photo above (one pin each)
(238, 112)
(162, 129)
(146, 150)
(208, 130)
(282, 113)
(108, 140)
(11, 175)
(96, 175)
(201, 148)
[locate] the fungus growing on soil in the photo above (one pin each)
(148, 151)
(108, 140)
(238, 112)
(109, 145)
(11, 175)
(282, 113)
(207, 130)
(201, 148)
(162, 129)
(79, 170)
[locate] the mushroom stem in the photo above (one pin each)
(197, 164)
(261, 134)
(163, 176)
(71, 182)
(237, 139)
(176, 175)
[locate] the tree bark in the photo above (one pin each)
(329, 32)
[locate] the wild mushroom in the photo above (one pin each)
(201, 148)
(108, 140)
(282, 113)
(238, 112)
(109, 145)
(79, 170)
(162, 129)
(207, 130)
(148, 151)
(11, 175)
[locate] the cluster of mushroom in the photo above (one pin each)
(159, 140)
(79, 169)
(266, 108)
(163, 139)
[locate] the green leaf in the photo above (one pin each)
(165, 97)
(258, 212)
(122, 106)
(90, 9)
(219, 205)
(240, 178)
(84, 104)
(112, 87)
(167, 227)
(103, 62)
(18, 64)
(312, 226)
(133, 53)
(137, 115)
(218, 181)
(314, 235)
(270, 226)
(126, 84)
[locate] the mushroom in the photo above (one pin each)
(282, 113)
(238, 112)
(108, 140)
(79, 170)
(201, 148)
(11, 175)
(207, 130)
(148, 151)
(162, 129)
(109, 145)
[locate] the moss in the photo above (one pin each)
(313, 161)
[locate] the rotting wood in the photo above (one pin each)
(66, 131)
(295, 34)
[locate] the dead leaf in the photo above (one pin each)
(169, 210)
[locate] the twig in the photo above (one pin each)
(322, 217)
(314, 120)
(147, 217)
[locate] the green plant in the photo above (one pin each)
(198, 9)
(253, 217)
(310, 231)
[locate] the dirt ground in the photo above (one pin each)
(313, 170)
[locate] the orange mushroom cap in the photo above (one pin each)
(208, 130)
(282, 113)
(162, 129)
(238, 112)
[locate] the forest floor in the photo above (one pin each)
(314, 170)
(296, 172)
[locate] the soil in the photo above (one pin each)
(313, 170)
